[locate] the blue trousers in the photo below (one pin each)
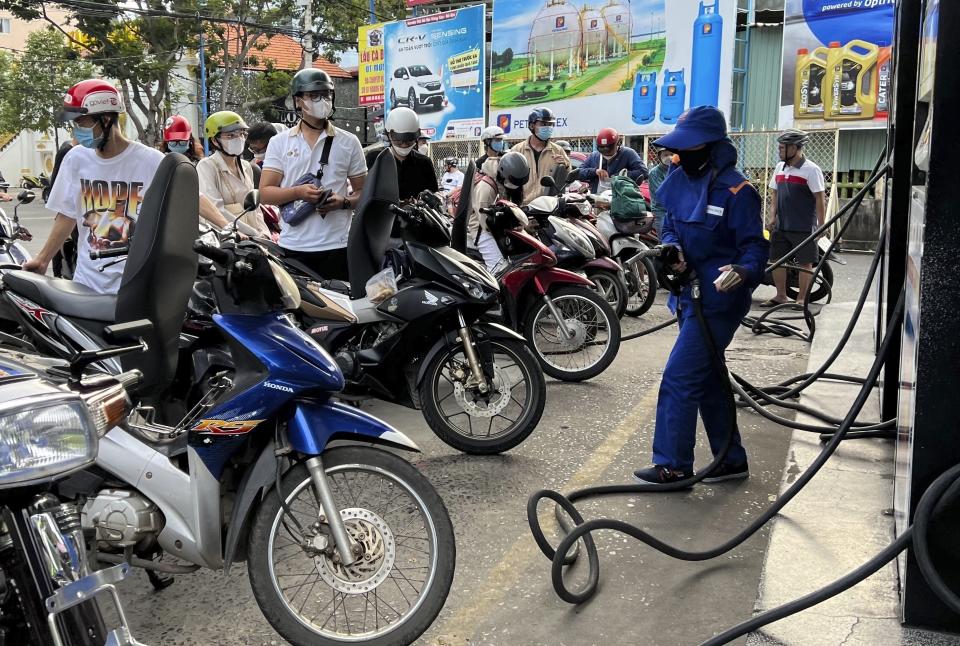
(691, 383)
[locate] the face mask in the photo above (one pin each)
(178, 146)
(665, 160)
(235, 147)
(498, 145)
(608, 157)
(321, 108)
(259, 156)
(402, 152)
(544, 133)
(695, 162)
(85, 138)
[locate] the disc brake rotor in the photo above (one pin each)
(477, 404)
(373, 564)
(579, 337)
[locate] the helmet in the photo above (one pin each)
(491, 133)
(404, 123)
(223, 121)
(92, 97)
(793, 137)
(563, 143)
(607, 137)
(449, 161)
(177, 128)
(513, 170)
(310, 80)
(540, 114)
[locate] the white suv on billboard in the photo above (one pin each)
(416, 86)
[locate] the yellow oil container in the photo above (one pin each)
(850, 79)
(809, 86)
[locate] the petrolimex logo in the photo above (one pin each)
(503, 122)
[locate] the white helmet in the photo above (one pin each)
(491, 132)
(403, 122)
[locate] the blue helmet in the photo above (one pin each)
(540, 114)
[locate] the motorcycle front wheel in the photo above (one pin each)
(397, 586)
(595, 332)
(484, 423)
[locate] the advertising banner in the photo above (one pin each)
(435, 65)
(631, 65)
(837, 66)
(370, 76)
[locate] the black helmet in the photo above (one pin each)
(310, 80)
(449, 161)
(513, 171)
(563, 143)
(540, 114)
(793, 137)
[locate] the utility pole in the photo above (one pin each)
(203, 94)
(308, 43)
(373, 13)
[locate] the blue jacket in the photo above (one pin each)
(716, 220)
(625, 158)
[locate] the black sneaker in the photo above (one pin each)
(660, 475)
(728, 472)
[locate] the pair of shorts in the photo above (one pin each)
(783, 242)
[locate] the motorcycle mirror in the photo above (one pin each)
(548, 182)
(25, 197)
(251, 200)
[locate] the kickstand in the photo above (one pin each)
(159, 580)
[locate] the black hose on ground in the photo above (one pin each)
(655, 328)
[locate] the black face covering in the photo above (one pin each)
(695, 162)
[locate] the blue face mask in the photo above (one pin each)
(498, 145)
(85, 138)
(544, 133)
(178, 146)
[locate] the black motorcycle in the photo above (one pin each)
(48, 591)
(423, 346)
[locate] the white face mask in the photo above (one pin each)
(234, 147)
(259, 156)
(321, 108)
(402, 152)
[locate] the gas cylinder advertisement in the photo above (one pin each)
(434, 64)
(634, 65)
(837, 64)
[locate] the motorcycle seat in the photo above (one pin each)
(62, 296)
(634, 226)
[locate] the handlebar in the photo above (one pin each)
(112, 252)
(215, 254)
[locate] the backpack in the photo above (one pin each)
(627, 202)
(477, 178)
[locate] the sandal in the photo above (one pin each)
(772, 303)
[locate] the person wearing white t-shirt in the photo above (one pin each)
(452, 177)
(319, 240)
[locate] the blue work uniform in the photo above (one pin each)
(716, 221)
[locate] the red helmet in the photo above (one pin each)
(607, 137)
(92, 97)
(177, 128)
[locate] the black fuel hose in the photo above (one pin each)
(944, 491)
(655, 328)
(564, 555)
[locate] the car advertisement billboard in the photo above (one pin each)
(435, 65)
(631, 65)
(370, 73)
(837, 64)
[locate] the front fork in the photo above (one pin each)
(341, 539)
(473, 360)
(561, 322)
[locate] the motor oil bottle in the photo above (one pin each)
(673, 96)
(705, 61)
(850, 71)
(808, 89)
(644, 97)
(884, 79)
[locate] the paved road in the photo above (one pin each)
(591, 433)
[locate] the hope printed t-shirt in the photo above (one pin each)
(104, 196)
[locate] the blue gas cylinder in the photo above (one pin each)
(673, 96)
(705, 63)
(644, 97)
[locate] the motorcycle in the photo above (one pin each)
(421, 344)
(39, 182)
(248, 472)
(12, 252)
(48, 587)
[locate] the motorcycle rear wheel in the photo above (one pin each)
(612, 288)
(820, 290)
(395, 594)
(641, 287)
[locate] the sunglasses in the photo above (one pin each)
(402, 137)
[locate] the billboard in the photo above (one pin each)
(631, 65)
(435, 65)
(837, 64)
(370, 74)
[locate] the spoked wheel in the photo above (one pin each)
(484, 422)
(611, 288)
(403, 541)
(595, 334)
(641, 287)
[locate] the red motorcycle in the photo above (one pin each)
(572, 330)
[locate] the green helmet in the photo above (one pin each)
(310, 80)
(223, 121)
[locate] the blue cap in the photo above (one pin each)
(697, 126)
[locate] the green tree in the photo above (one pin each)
(336, 22)
(33, 82)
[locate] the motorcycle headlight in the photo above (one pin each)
(289, 292)
(49, 436)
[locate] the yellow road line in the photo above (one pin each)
(458, 630)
